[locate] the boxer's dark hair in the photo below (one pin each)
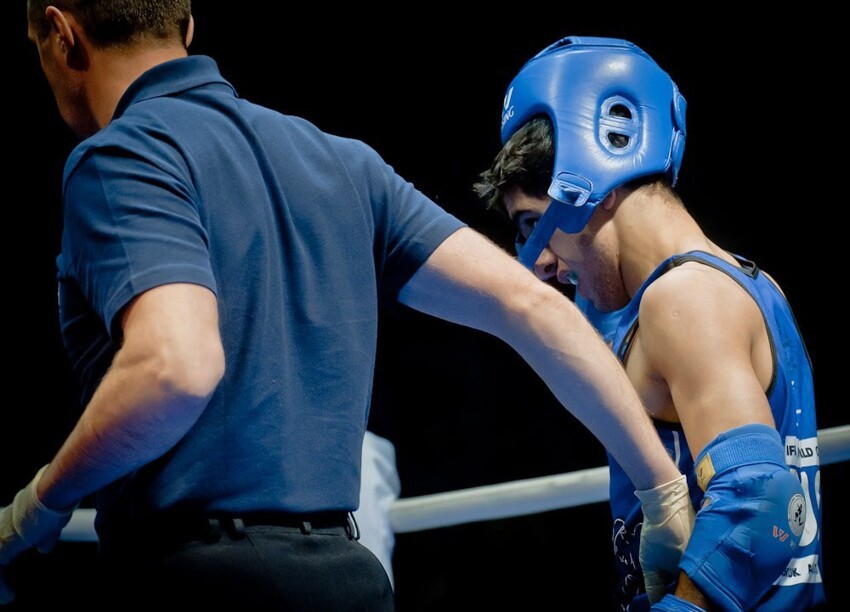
(526, 161)
(109, 23)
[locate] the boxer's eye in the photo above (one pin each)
(526, 222)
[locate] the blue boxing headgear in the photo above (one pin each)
(617, 117)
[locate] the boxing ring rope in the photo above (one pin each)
(505, 500)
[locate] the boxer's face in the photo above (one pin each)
(587, 259)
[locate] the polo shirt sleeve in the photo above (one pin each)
(410, 226)
(131, 223)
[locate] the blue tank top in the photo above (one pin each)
(791, 398)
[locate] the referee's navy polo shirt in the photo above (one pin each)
(297, 232)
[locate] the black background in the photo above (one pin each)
(424, 86)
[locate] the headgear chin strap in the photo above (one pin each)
(617, 116)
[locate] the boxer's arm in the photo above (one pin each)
(702, 335)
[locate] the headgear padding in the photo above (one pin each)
(617, 116)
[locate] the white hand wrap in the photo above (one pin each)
(668, 519)
(27, 523)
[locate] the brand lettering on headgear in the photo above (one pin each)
(507, 109)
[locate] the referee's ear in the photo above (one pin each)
(190, 32)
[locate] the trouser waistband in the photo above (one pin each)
(214, 526)
(170, 528)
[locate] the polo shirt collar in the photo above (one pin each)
(171, 77)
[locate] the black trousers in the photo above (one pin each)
(250, 567)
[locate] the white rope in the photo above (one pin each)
(499, 501)
(504, 500)
(543, 494)
(834, 444)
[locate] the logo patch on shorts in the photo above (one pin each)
(797, 514)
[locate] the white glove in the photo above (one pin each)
(668, 519)
(27, 523)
